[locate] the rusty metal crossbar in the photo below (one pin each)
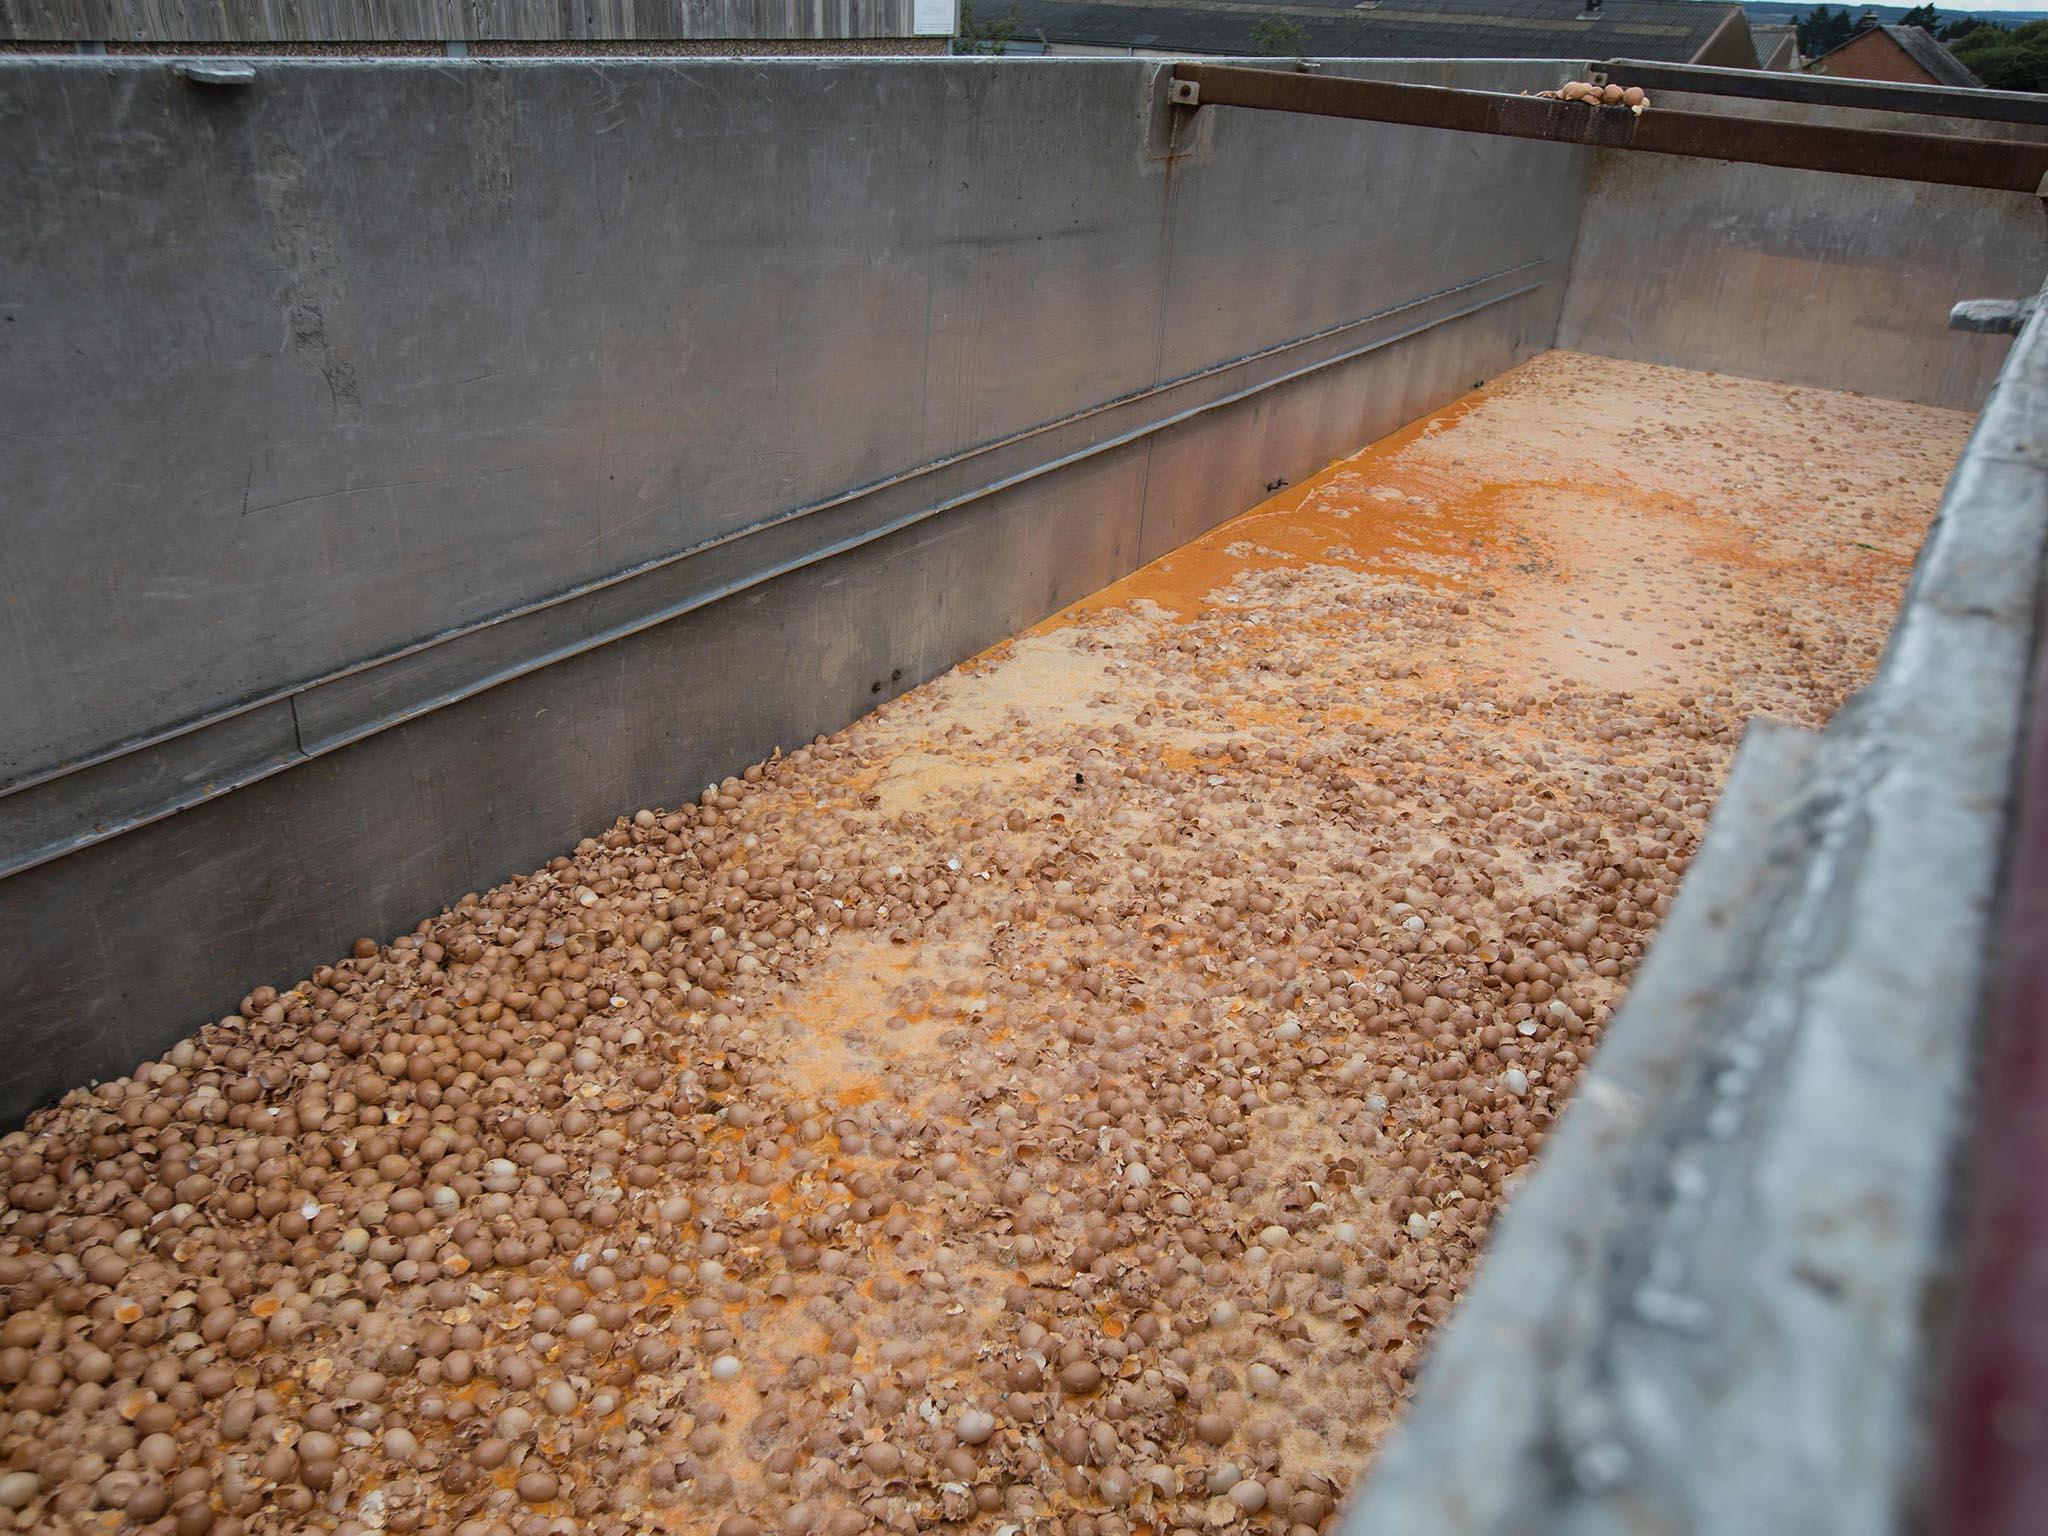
(2001, 164)
(1778, 85)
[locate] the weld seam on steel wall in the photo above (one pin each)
(192, 764)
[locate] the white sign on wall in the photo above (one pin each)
(934, 18)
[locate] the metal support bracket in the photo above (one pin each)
(215, 72)
(1184, 93)
(1993, 317)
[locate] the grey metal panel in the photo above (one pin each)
(1713, 1310)
(364, 352)
(1838, 281)
(1257, 253)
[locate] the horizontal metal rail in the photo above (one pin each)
(2001, 164)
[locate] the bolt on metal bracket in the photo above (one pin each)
(1184, 93)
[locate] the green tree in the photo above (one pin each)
(1925, 17)
(1279, 35)
(2015, 60)
(984, 36)
(1822, 28)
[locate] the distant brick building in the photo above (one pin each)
(1907, 55)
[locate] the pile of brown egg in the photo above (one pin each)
(1064, 1102)
(1633, 96)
